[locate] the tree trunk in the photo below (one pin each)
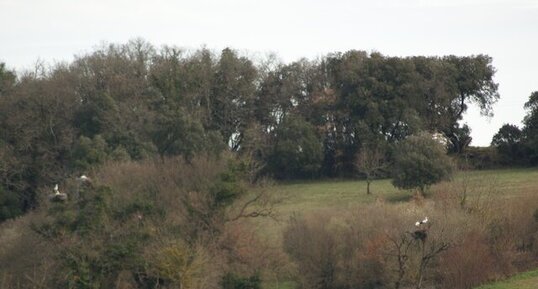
(423, 263)
(368, 181)
(419, 283)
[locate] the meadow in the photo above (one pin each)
(335, 196)
(305, 196)
(308, 196)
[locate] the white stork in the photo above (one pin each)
(84, 179)
(422, 222)
(57, 196)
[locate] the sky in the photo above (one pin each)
(507, 30)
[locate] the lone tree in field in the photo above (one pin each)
(420, 161)
(370, 161)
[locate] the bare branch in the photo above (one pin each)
(258, 206)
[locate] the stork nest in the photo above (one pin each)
(420, 235)
(58, 198)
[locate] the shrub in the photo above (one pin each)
(314, 249)
(89, 152)
(420, 161)
(480, 158)
(10, 205)
(467, 265)
(180, 264)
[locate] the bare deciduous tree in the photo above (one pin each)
(370, 161)
(418, 246)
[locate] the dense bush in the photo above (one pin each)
(376, 246)
(420, 161)
(153, 224)
(297, 151)
(481, 158)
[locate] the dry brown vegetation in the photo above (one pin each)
(171, 223)
(375, 246)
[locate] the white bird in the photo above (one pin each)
(57, 196)
(421, 222)
(83, 178)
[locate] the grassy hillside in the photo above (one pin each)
(307, 196)
(527, 280)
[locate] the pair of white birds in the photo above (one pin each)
(422, 222)
(82, 178)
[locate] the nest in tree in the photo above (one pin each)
(58, 198)
(420, 235)
(85, 181)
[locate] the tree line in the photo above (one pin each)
(519, 146)
(305, 119)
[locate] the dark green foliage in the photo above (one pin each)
(93, 250)
(229, 187)
(232, 281)
(520, 146)
(95, 114)
(120, 154)
(232, 94)
(93, 211)
(89, 152)
(459, 138)
(304, 119)
(79, 273)
(420, 161)
(9, 205)
(509, 144)
(479, 158)
(7, 79)
(473, 76)
(531, 127)
(177, 133)
(297, 151)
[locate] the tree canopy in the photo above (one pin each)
(517, 146)
(420, 161)
(298, 120)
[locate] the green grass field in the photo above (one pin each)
(308, 196)
(313, 195)
(527, 280)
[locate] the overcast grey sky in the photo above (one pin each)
(507, 30)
